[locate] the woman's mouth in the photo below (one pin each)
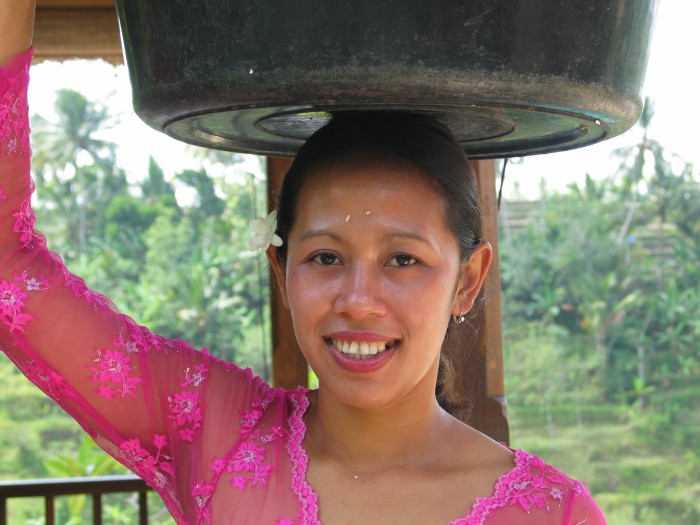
(362, 350)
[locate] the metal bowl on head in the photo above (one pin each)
(509, 77)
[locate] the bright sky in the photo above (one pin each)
(672, 81)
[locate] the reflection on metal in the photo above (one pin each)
(510, 77)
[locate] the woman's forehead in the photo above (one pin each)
(373, 178)
(369, 194)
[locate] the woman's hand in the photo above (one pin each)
(16, 27)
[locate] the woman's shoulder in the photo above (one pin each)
(542, 492)
(534, 481)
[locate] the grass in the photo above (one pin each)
(635, 479)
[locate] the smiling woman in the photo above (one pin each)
(365, 161)
(380, 252)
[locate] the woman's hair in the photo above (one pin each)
(411, 139)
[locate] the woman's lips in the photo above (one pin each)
(361, 352)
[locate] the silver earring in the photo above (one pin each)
(459, 319)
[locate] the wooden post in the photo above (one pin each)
(289, 367)
(481, 372)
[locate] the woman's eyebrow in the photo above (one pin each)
(386, 238)
(320, 232)
(405, 235)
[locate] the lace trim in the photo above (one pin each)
(306, 495)
(14, 112)
(530, 483)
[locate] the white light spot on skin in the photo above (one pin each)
(347, 218)
(367, 212)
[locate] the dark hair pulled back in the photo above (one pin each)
(410, 139)
(404, 138)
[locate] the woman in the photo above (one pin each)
(379, 253)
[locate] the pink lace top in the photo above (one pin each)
(218, 444)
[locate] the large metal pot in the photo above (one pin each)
(510, 77)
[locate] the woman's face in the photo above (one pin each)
(372, 276)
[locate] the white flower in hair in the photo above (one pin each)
(264, 233)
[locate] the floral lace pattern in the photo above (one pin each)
(14, 112)
(306, 495)
(13, 298)
(157, 468)
(530, 484)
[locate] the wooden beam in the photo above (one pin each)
(86, 4)
(289, 367)
(481, 372)
(68, 29)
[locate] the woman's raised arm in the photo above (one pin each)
(146, 399)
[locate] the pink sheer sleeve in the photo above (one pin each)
(155, 404)
(584, 510)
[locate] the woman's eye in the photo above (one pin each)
(402, 260)
(325, 259)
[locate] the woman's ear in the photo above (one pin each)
(280, 273)
(472, 275)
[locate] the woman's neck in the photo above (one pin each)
(366, 441)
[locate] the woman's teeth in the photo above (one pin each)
(360, 350)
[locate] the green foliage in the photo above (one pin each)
(601, 300)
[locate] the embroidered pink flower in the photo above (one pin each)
(202, 494)
(239, 482)
(133, 447)
(24, 224)
(113, 366)
(186, 434)
(184, 408)
(130, 346)
(261, 475)
(249, 418)
(32, 284)
(195, 376)
(11, 298)
(157, 469)
(160, 441)
(536, 484)
(248, 458)
(218, 465)
(106, 392)
(274, 434)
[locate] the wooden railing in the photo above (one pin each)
(50, 489)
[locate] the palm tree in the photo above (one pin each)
(70, 150)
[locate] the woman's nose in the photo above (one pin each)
(360, 295)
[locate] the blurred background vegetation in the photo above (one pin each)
(601, 309)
